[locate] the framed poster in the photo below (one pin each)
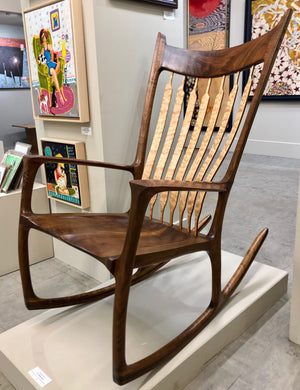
(55, 44)
(14, 72)
(167, 3)
(262, 16)
(208, 29)
(67, 183)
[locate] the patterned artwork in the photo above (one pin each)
(208, 30)
(14, 71)
(51, 57)
(263, 15)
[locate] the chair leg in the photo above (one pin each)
(244, 265)
(215, 260)
(124, 373)
(32, 301)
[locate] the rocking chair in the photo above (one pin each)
(176, 172)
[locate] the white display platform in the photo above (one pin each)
(73, 346)
(41, 245)
(295, 295)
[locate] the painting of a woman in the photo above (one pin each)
(53, 67)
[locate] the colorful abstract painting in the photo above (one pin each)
(51, 57)
(262, 16)
(208, 29)
(14, 73)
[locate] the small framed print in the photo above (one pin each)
(67, 183)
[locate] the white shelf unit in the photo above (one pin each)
(41, 246)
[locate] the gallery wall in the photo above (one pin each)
(15, 104)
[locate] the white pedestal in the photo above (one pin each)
(41, 246)
(295, 298)
(73, 346)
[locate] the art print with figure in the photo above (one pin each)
(262, 16)
(66, 182)
(56, 58)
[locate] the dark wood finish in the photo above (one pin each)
(131, 240)
(31, 136)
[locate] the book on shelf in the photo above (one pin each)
(13, 172)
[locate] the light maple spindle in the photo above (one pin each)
(179, 145)
(214, 148)
(161, 122)
(161, 165)
(191, 148)
(203, 148)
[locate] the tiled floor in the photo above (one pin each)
(265, 194)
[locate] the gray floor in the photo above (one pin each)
(265, 194)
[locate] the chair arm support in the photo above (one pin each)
(155, 186)
(141, 193)
(39, 160)
(32, 163)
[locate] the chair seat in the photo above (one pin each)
(103, 236)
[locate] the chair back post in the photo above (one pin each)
(148, 105)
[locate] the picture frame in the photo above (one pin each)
(260, 17)
(14, 72)
(67, 183)
(165, 3)
(55, 45)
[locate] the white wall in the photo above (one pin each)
(275, 131)
(126, 33)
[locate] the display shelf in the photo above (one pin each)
(41, 246)
(73, 346)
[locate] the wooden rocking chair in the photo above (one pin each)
(176, 172)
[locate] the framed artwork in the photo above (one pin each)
(55, 43)
(167, 3)
(14, 72)
(208, 29)
(66, 183)
(262, 16)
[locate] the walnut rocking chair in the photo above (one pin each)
(177, 172)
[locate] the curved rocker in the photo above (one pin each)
(176, 173)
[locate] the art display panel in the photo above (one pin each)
(261, 17)
(57, 60)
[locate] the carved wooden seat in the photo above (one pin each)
(177, 174)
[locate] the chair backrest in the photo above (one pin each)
(174, 155)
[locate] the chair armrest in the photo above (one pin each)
(39, 160)
(155, 186)
(32, 163)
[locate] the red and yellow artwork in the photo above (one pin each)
(208, 30)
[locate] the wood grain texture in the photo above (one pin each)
(129, 241)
